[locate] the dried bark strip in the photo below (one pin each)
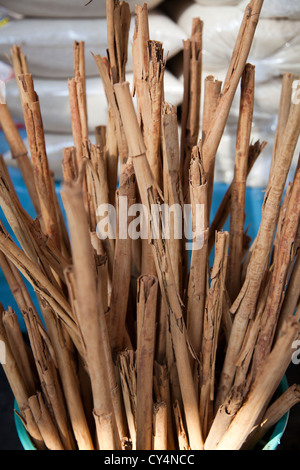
(238, 61)
(283, 114)
(122, 264)
(280, 276)
(85, 281)
(211, 331)
(44, 423)
(262, 389)
(225, 206)
(41, 170)
(190, 121)
(198, 276)
(19, 153)
(160, 426)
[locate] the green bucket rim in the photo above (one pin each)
(272, 444)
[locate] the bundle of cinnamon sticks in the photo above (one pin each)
(158, 342)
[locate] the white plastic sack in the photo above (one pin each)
(275, 47)
(54, 101)
(48, 44)
(66, 8)
(289, 9)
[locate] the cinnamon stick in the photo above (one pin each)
(113, 380)
(198, 279)
(75, 120)
(163, 264)
(283, 114)
(127, 368)
(19, 153)
(173, 201)
(19, 349)
(32, 428)
(44, 422)
(181, 433)
(212, 91)
(41, 171)
(85, 281)
(79, 74)
(122, 262)
(20, 66)
(12, 370)
(211, 331)
(146, 318)
(149, 66)
(24, 228)
(44, 356)
(292, 295)
(111, 99)
(161, 378)
(262, 389)
(64, 354)
(274, 413)
(118, 24)
(234, 73)
(280, 275)
(244, 306)
(223, 417)
(160, 441)
(225, 206)
(238, 191)
(111, 155)
(40, 283)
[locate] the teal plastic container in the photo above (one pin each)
(271, 444)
